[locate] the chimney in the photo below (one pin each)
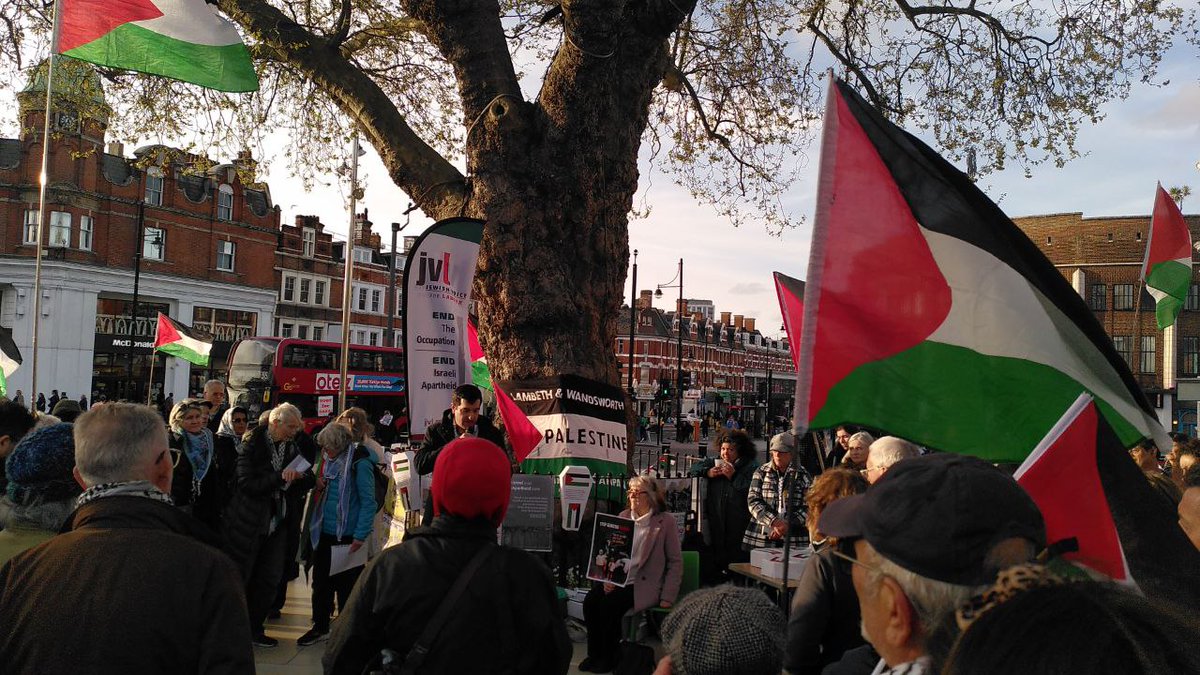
(738, 321)
(697, 317)
(681, 307)
(646, 300)
(725, 318)
(750, 324)
(115, 148)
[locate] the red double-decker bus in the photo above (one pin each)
(267, 371)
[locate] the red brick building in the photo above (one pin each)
(196, 232)
(1102, 258)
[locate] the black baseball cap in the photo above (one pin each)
(938, 516)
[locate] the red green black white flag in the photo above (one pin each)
(1087, 488)
(181, 39)
(929, 314)
(181, 341)
(791, 302)
(1168, 265)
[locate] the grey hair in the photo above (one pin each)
(179, 411)
(653, 488)
(115, 442)
(932, 600)
(867, 439)
(212, 384)
(891, 449)
(284, 411)
(335, 437)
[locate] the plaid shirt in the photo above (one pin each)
(765, 506)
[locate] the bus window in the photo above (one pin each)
(251, 363)
(325, 357)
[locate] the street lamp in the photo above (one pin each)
(632, 326)
(679, 346)
(390, 339)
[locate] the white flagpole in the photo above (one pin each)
(348, 280)
(44, 179)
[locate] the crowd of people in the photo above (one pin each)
(136, 546)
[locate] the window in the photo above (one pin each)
(154, 186)
(1190, 364)
(225, 255)
(224, 203)
(285, 330)
(154, 243)
(1146, 362)
(375, 297)
(309, 236)
(302, 332)
(1122, 296)
(1097, 297)
(304, 286)
(1121, 342)
(398, 307)
(86, 229)
(373, 338)
(318, 332)
(289, 289)
(1192, 303)
(319, 293)
(31, 222)
(362, 301)
(362, 255)
(362, 337)
(60, 229)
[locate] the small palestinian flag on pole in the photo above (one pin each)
(1089, 490)
(10, 358)
(181, 341)
(791, 303)
(184, 40)
(929, 314)
(1168, 265)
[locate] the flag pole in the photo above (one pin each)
(44, 180)
(348, 281)
(150, 384)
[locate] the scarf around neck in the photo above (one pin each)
(136, 488)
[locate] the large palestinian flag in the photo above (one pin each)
(179, 340)
(929, 314)
(181, 39)
(1168, 265)
(1089, 490)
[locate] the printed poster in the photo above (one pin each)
(612, 550)
(529, 523)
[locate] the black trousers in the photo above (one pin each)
(264, 572)
(325, 587)
(602, 614)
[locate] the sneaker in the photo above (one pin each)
(264, 640)
(312, 637)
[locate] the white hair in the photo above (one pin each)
(891, 449)
(284, 411)
(863, 437)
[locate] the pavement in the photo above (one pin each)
(290, 659)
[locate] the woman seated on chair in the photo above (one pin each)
(654, 574)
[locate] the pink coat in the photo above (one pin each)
(660, 567)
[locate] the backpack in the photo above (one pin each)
(382, 482)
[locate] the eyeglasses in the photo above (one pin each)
(636, 493)
(856, 561)
(867, 471)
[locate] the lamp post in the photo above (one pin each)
(632, 326)
(679, 345)
(390, 340)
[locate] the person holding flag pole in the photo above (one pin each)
(185, 40)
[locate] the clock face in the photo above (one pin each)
(68, 121)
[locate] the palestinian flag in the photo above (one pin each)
(1168, 265)
(1088, 489)
(181, 39)
(929, 314)
(10, 358)
(481, 375)
(791, 303)
(181, 341)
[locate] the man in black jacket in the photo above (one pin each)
(263, 520)
(462, 419)
(506, 621)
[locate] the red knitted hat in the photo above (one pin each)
(471, 478)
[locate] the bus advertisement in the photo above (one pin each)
(266, 371)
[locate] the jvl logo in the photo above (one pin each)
(432, 270)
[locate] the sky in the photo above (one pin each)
(1154, 135)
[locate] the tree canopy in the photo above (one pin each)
(491, 109)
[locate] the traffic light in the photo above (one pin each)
(665, 388)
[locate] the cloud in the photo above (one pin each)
(752, 288)
(1178, 112)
